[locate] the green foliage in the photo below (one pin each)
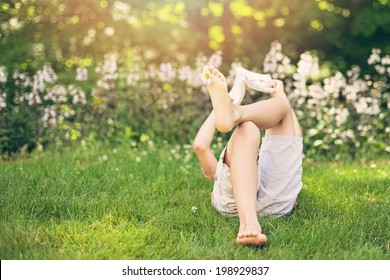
(128, 96)
(79, 34)
(146, 36)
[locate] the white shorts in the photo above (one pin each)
(280, 178)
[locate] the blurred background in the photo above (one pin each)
(128, 71)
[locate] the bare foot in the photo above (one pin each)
(251, 237)
(222, 104)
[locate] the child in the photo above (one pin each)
(247, 180)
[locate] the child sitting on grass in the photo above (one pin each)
(249, 181)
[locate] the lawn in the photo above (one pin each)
(139, 203)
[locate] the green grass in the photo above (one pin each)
(135, 203)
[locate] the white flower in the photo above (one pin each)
(194, 209)
(109, 66)
(81, 74)
(167, 73)
(335, 84)
(49, 116)
(3, 75)
(386, 60)
(341, 116)
(206, 78)
(308, 66)
(185, 74)
(48, 74)
(353, 73)
(374, 57)
(216, 59)
(275, 62)
(380, 69)
(3, 96)
(132, 79)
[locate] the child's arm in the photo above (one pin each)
(201, 145)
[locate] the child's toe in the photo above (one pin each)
(205, 69)
(215, 71)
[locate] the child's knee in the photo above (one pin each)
(248, 131)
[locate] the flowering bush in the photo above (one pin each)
(339, 113)
(37, 110)
(127, 97)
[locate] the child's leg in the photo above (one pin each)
(265, 114)
(205, 134)
(241, 156)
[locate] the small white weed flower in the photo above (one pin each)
(206, 78)
(194, 209)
